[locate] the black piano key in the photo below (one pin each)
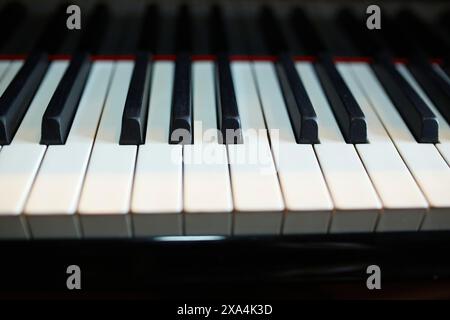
(59, 115)
(301, 112)
(433, 84)
(18, 95)
(227, 110)
(347, 112)
(134, 117)
(415, 113)
(181, 115)
(229, 122)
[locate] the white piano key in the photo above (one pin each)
(444, 127)
(306, 196)
(157, 200)
(403, 203)
(106, 193)
(4, 65)
(207, 191)
(19, 161)
(63, 168)
(355, 199)
(255, 186)
(428, 168)
(8, 74)
(204, 103)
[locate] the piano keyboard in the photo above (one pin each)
(231, 143)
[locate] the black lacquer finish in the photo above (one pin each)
(227, 110)
(228, 119)
(301, 112)
(181, 129)
(134, 118)
(146, 264)
(420, 120)
(347, 112)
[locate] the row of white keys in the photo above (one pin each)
(20, 161)
(356, 201)
(444, 127)
(307, 199)
(4, 65)
(404, 205)
(156, 203)
(207, 191)
(53, 200)
(258, 201)
(105, 199)
(425, 163)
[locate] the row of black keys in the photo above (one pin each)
(61, 110)
(59, 115)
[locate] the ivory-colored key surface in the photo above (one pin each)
(254, 182)
(206, 179)
(105, 197)
(157, 191)
(306, 196)
(64, 166)
(20, 161)
(425, 163)
(403, 203)
(356, 202)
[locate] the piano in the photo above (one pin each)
(271, 145)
